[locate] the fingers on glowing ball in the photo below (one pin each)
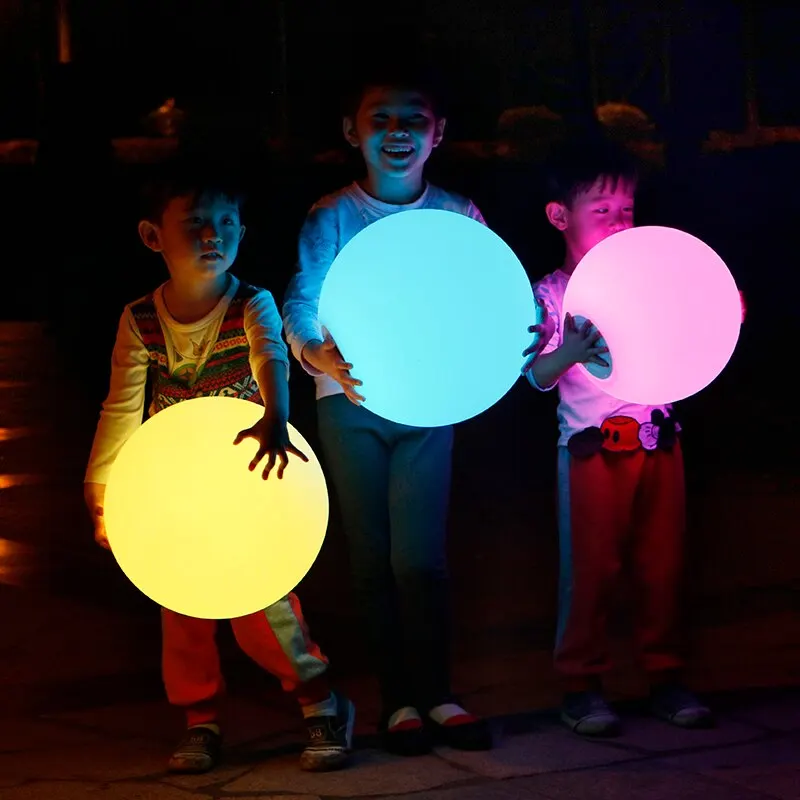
(409, 286)
(668, 308)
(270, 449)
(199, 533)
(538, 327)
(599, 364)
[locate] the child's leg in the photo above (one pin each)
(357, 459)
(657, 555)
(277, 640)
(190, 665)
(595, 497)
(419, 496)
(193, 680)
(658, 566)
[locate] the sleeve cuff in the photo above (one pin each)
(532, 382)
(97, 474)
(297, 348)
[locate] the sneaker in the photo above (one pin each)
(199, 751)
(588, 714)
(680, 707)
(330, 739)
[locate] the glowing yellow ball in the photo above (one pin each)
(194, 529)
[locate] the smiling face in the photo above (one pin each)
(396, 130)
(198, 236)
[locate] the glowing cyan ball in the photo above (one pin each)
(432, 309)
(667, 307)
(194, 529)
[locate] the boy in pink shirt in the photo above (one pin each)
(620, 472)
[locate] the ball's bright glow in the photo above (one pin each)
(194, 529)
(666, 305)
(432, 309)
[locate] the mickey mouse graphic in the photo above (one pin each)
(621, 434)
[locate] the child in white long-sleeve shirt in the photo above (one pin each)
(392, 480)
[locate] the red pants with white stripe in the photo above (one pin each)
(621, 515)
(276, 639)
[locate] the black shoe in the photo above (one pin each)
(678, 706)
(330, 739)
(588, 714)
(471, 734)
(410, 741)
(199, 751)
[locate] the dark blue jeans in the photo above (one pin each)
(393, 485)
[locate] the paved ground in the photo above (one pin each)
(82, 712)
(118, 752)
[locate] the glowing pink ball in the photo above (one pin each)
(667, 307)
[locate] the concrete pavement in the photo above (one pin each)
(118, 753)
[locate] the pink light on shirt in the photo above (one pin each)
(667, 307)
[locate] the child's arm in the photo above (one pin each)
(269, 362)
(564, 348)
(578, 346)
(544, 328)
(94, 495)
(121, 415)
(316, 351)
(269, 358)
(549, 367)
(317, 249)
(536, 368)
(473, 212)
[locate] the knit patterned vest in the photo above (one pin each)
(227, 371)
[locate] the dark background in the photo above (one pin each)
(72, 259)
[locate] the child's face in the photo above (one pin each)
(198, 236)
(395, 129)
(606, 208)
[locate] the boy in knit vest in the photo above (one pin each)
(205, 333)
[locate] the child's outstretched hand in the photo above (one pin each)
(545, 331)
(100, 535)
(273, 438)
(94, 494)
(325, 357)
(579, 345)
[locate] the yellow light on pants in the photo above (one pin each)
(194, 529)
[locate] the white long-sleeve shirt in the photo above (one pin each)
(582, 404)
(188, 348)
(331, 223)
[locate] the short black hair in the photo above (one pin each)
(185, 175)
(399, 62)
(577, 164)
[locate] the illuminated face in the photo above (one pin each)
(595, 215)
(396, 130)
(197, 236)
